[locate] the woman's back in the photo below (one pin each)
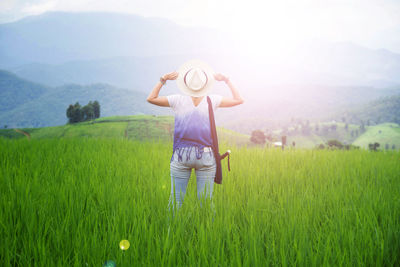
(192, 123)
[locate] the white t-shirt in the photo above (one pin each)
(192, 123)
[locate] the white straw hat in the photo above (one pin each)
(195, 78)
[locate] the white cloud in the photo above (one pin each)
(285, 20)
(38, 8)
(7, 5)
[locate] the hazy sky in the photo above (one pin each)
(367, 22)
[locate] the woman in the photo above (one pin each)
(192, 136)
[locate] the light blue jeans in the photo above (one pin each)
(182, 163)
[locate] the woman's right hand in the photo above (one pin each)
(170, 76)
(153, 97)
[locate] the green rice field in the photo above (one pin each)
(70, 201)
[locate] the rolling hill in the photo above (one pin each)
(15, 91)
(386, 134)
(384, 109)
(27, 104)
(160, 128)
(138, 127)
(324, 133)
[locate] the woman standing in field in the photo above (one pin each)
(192, 135)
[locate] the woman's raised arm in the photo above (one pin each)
(229, 101)
(153, 97)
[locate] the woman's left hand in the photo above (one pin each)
(220, 77)
(170, 76)
(228, 101)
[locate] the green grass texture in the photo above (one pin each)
(70, 201)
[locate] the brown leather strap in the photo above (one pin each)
(213, 130)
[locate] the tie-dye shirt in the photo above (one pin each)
(192, 124)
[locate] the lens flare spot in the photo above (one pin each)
(109, 263)
(124, 244)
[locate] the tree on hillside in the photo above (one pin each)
(76, 113)
(334, 144)
(374, 146)
(69, 113)
(88, 112)
(96, 107)
(284, 139)
(346, 127)
(257, 137)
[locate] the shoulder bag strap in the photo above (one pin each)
(215, 148)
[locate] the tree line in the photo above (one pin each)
(77, 113)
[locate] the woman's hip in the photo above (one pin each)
(193, 157)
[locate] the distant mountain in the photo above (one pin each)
(58, 37)
(355, 64)
(27, 104)
(32, 105)
(15, 91)
(385, 109)
(128, 72)
(128, 50)
(313, 80)
(328, 64)
(389, 37)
